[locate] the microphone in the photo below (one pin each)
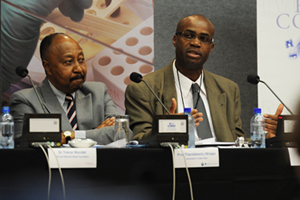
(23, 72)
(254, 79)
(137, 78)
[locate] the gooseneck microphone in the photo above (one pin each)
(254, 79)
(23, 72)
(137, 78)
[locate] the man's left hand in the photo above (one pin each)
(271, 122)
(63, 138)
(107, 122)
(197, 115)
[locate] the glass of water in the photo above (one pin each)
(122, 127)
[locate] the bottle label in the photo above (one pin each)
(6, 135)
(7, 129)
(258, 140)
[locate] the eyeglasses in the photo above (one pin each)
(190, 35)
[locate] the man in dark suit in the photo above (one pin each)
(193, 41)
(65, 68)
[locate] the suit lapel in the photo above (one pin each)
(49, 98)
(84, 109)
(169, 86)
(217, 105)
(52, 105)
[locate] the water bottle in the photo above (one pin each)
(6, 129)
(257, 126)
(191, 125)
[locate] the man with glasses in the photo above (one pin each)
(215, 100)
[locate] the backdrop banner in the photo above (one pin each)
(278, 48)
(116, 37)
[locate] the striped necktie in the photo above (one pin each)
(71, 111)
(203, 130)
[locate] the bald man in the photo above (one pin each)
(193, 42)
(65, 68)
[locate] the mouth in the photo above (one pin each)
(193, 53)
(77, 78)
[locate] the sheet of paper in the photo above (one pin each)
(117, 144)
(294, 157)
(201, 143)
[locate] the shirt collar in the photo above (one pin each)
(186, 83)
(61, 96)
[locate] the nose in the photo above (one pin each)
(78, 67)
(195, 42)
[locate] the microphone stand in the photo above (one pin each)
(277, 97)
(36, 92)
(156, 96)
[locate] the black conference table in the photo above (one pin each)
(146, 173)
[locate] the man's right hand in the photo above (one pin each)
(173, 106)
(108, 122)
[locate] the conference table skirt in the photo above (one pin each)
(146, 173)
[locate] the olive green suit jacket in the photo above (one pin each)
(223, 97)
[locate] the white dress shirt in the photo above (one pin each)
(187, 96)
(61, 97)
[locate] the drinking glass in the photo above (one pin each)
(122, 127)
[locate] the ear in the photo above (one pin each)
(46, 66)
(174, 40)
(212, 46)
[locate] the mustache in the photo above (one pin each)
(79, 76)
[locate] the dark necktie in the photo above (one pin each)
(203, 129)
(71, 111)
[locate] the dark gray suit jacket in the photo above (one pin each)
(93, 106)
(223, 97)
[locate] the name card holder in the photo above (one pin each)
(40, 128)
(171, 129)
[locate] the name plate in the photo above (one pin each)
(172, 126)
(44, 125)
(73, 157)
(197, 157)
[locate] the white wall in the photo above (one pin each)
(278, 37)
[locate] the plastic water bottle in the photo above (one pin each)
(6, 129)
(257, 126)
(191, 125)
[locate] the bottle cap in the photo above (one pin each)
(187, 110)
(257, 110)
(5, 109)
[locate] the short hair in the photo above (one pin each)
(46, 42)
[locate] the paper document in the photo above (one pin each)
(201, 143)
(294, 157)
